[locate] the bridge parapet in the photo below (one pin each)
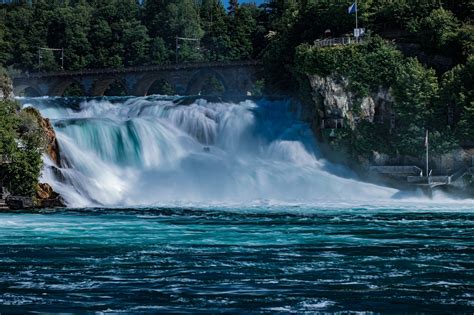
(238, 76)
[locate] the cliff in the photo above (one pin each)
(51, 143)
(333, 99)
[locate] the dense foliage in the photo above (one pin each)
(121, 33)
(420, 100)
(21, 145)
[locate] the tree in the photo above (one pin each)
(415, 90)
(181, 18)
(159, 54)
(233, 7)
(457, 93)
(68, 29)
(117, 36)
(152, 16)
(214, 22)
(242, 23)
(437, 30)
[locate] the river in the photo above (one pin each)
(223, 207)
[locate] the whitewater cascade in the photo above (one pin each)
(149, 150)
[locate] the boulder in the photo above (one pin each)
(45, 191)
(46, 197)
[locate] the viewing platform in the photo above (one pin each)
(406, 176)
(339, 41)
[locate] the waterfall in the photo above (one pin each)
(141, 151)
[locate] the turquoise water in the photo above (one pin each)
(260, 259)
(223, 207)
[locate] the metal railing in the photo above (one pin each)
(338, 41)
(396, 170)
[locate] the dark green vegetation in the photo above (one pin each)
(121, 33)
(421, 100)
(21, 145)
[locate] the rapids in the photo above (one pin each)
(141, 151)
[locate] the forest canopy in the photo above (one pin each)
(122, 33)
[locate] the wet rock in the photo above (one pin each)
(45, 191)
(46, 197)
(19, 202)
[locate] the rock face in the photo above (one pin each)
(46, 197)
(52, 147)
(335, 100)
(6, 87)
(19, 202)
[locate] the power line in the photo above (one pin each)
(183, 39)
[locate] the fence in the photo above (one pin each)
(338, 41)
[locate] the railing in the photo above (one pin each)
(338, 41)
(397, 170)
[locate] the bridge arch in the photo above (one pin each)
(27, 90)
(154, 84)
(103, 84)
(199, 79)
(60, 88)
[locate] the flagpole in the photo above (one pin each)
(427, 158)
(357, 18)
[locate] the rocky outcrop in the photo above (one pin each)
(334, 99)
(19, 202)
(6, 87)
(52, 147)
(46, 197)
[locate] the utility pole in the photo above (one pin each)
(357, 22)
(427, 154)
(62, 58)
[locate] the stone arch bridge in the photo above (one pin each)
(236, 78)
